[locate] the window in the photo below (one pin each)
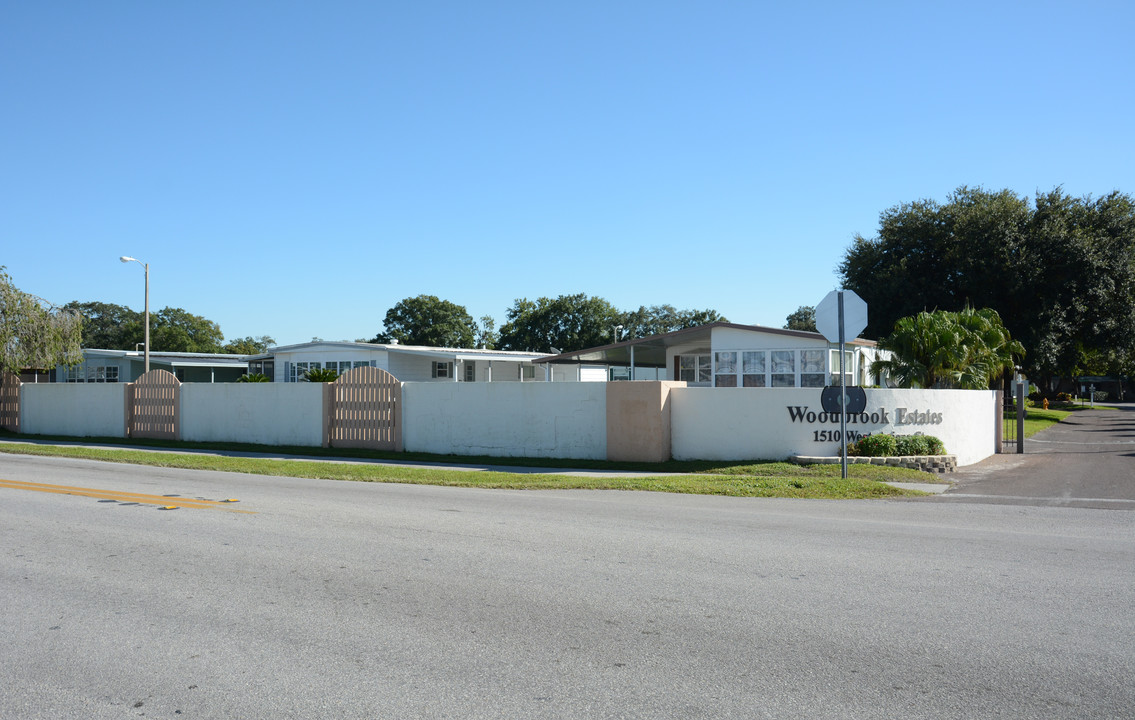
(812, 368)
(695, 369)
(298, 370)
(754, 365)
(725, 369)
(527, 372)
(265, 367)
(784, 368)
(93, 374)
(470, 371)
(848, 367)
(441, 369)
(344, 366)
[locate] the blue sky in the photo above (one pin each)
(296, 168)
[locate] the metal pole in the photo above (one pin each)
(842, 396)
(147, 359)
(1020, 415)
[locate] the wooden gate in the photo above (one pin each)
(153, 406)
(363, 409)
(10, 402)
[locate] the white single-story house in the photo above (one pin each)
(110, 366)
(723, 354)
(408, 363)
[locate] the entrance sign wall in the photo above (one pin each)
(731, 424)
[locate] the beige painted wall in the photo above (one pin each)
(638, 420)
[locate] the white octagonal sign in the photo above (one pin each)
(854, 315)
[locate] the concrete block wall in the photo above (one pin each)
(258, 413)
(560, 420)
(645, 421)
(73, 409)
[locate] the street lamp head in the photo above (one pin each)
(126, 258)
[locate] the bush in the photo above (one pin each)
(919, 445)
(254, 377)
(1099, 396)
(1064, 397)
(892, 445)
(321, 375)
(873, 446)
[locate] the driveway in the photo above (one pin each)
(1086, 461)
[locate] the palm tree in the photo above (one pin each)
(993, 352)
(940, 349)
(321, 375)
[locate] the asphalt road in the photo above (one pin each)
(1088, 460)
(351, 600)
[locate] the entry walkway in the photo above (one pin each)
(1086, 461)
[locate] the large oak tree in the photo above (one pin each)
(428, 320)
(1060, 272)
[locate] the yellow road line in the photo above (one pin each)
(123, 496)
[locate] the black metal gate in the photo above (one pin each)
(1012, 424)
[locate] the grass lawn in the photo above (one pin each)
(750, 479)
(1037, 419)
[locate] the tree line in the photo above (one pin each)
(1056, 275)
(1059, 272)
(564, 323)
(107, 326)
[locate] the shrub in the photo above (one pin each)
(321, 375)
(254, 377)
(911, 445)
(873, 446)
(935, 446)
(1064, 397)
(892, 445)
(1099, 396)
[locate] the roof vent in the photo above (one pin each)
(393, 341)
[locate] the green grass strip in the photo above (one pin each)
(772, 479)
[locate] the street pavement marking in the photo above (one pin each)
(164, 501)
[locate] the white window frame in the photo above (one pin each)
(297, 370)
(725, 368)
(817, 377)
(774, 374)
(749, 371)
(849, 367)
(702, 368)
(757, 368)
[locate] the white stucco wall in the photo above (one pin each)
(774, 423)
(76, 409)
(530, 419)
(259, 413)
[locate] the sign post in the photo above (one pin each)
(840, 317)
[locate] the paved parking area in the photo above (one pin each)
(1086, 461)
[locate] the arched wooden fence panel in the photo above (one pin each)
(10, 402)
(363, 409)
(153, 407)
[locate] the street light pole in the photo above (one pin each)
(146, 266)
